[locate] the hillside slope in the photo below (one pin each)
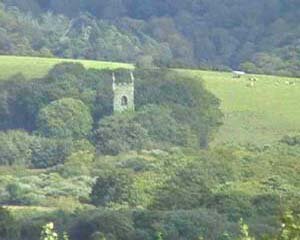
(35, 67)
(259, 114)
(214, 34)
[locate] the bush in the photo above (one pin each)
(292, 141)
(65, 118)
(112, 187)
(78, 164)
(8, 225)
(20, 148)
(120, 133)
(112, 224)
(18, 194)
(191, 104)
(15, 148)
(235, 205)
(47, 152)
(163, 129)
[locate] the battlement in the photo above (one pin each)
(123, 94)
(123, 84)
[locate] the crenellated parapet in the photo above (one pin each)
(123, 94)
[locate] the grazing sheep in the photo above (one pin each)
(238, 74)
(251, 84)
(252, 79)
(290, 83)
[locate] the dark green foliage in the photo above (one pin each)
(187, 191)
(65, 118)
(267, 204)
(114, 225)
(15, 148)
(21, 101)
(180, 193)
(100, 224)
(15, 113)
(292, 141)
(112, 187)
(151, 126)
(18, 148)
(146, 225)
(8, 225)
(208, 34)
(17, 195)
(141, 224)
(191, 104)
(235, 205)
(162, 128)
(120, 134)
(191, 187)
(181, 112)
(50, 152)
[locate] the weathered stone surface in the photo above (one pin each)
(123, 95)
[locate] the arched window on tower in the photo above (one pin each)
(124, 101)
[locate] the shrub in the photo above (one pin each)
(112, 187)
(191, 104)
(8, 225)
(78, 164)
(65, 118)
(15, 148)
(47, 152)
(120, 133)
(163, 128)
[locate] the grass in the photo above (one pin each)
(34, 67)
(260, 114)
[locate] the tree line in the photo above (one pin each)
(257, 36)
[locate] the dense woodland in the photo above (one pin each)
(259, 36)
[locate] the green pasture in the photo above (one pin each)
(259, 114)
(35, 67)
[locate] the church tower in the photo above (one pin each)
(123, 94)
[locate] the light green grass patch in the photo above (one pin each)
(34, 67)
(259, 114)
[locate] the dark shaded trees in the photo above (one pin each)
(8, 225)
(118, 134)
(65, 118)
(209, 34)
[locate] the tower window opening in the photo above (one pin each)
(124, 101)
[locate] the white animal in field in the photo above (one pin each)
(238, 74)
(290, 83)
(250, 84)
(252, 79)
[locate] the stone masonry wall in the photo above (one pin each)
(122, 91)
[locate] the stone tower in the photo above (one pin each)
(123, 95)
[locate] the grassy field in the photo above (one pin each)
(33, 67)
(259, 114)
